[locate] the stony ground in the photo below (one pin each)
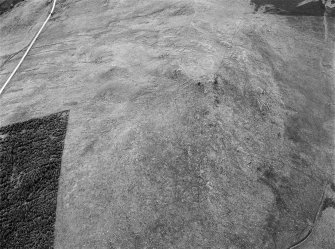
(192, 123)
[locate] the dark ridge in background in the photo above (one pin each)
(6, 5)
(30, 163)
(289, 7)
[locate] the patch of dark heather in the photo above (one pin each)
(289, 7)
(6, 5)
(30, 163)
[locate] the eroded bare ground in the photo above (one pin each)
(193, 124)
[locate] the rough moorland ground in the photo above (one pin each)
(193, 123)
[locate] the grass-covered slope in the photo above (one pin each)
(194, 124)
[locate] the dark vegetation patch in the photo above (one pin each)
(30, 162)
(328, 203)
(6, 5)
(278, 185)
(332, 186)
(296, 201)
(289, 7)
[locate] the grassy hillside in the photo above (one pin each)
(192, 124)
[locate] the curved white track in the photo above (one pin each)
(28, 49)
